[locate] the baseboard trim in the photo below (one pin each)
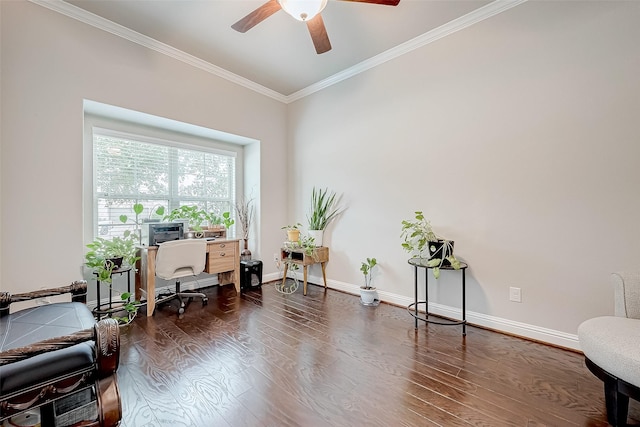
(510, 327)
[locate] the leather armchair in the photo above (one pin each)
(57, 356)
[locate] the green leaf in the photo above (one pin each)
(138, 208)
(160, 211)
(436, 272)
(123, 218)
(454, 262)
(434, 262)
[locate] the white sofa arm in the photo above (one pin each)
(626, 287)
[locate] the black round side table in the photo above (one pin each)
(413, 307)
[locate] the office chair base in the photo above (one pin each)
(163, 298)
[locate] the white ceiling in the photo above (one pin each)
(277, 55)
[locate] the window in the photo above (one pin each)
(130, 169)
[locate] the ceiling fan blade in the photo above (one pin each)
(257, 16)
(382, 2)
(319, 34)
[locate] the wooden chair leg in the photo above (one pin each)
(304, 269)
(324, 274)
(617, 404)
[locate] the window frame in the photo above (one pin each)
(147, 134)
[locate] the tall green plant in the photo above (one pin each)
(323, 209)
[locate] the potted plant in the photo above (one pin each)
(215, 221)
(115, 251)
(191, 213)
(105, 256)
(323, 211)
(308, 246)
(293, 231)
(138, 208)
(422, 242)
(227, 221)
(368, 292)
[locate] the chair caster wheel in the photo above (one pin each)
(205, 301)
(181, 310)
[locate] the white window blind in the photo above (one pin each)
(130, 169)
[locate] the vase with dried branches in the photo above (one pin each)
(244, 212)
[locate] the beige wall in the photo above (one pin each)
(50, 63)
(518, 137)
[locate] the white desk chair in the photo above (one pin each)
(177, 259)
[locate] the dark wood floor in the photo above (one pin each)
(267, 359)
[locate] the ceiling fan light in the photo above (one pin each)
(303, 10)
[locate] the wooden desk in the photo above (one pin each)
(223, 258)
(320, 255)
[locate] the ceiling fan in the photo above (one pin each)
(303, 10)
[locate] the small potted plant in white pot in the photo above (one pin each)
(422, 242)
(368, 292)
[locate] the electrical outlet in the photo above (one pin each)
(515, 294)
(276, 257)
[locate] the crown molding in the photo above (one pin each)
(96, 21)
(450, 27)
(480, 14)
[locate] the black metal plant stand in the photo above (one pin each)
(98, 311)
(413, 307)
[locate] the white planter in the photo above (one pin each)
(368, 296)
(317, 236)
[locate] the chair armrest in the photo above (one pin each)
(107, 337)
(77, 289)
(626, 286)
(105, 333)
